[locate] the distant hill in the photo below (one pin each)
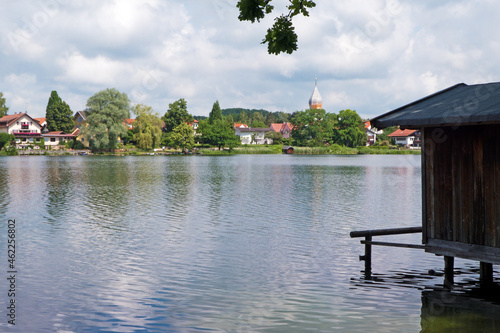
(267, 116)
(235, 111)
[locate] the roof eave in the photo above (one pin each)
(380, 124)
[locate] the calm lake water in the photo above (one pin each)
(247, 243)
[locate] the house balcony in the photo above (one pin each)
(25, 132)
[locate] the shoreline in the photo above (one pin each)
(237, 151)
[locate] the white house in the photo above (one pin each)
(54, 139)
(371, 133)
(25, 129)
(253, 135)
(404, 137)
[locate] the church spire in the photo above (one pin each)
(315, 102)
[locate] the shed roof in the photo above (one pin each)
(460, 104)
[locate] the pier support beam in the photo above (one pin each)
(485, 274)
(448, 271)
(368, 257)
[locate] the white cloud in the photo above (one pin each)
(98, 70)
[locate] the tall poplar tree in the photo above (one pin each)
(215, 114)
(58, 114)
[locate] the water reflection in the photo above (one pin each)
(106, 192)
(239, 243)
(59, 180)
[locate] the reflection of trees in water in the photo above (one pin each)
(4, 187)
(59, 182)
(106, 191)
(177, 180)
(445, 311)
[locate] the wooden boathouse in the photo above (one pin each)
(460, 172)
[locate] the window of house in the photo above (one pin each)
(52, 139)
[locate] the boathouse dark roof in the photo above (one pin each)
(460, 104)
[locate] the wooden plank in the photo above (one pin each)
(447, 183)
(489, 185)
(438, 161)
(496, 197)
(457, 170)
(430, 184)
(385, 232)
(423, 159)
(467, 185)
(391, 244)
(467, 251)
(478, 213)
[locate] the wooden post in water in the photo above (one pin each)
(486, 274)
(448, 271)
(368, 257)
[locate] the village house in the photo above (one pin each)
(408, 138)
(371, 133)
(43, 124)
(53, 140)
(25, 129)
(129, 123)
(80, 119)
(285, 129)
(253, 135)
(240, 125)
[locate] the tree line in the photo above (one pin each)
(107, 111)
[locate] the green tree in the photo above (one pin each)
(215, 114)
(385, 135)
(3, 107)
(258, 120)
(312, 127)
(220, 134)
(230, 120)
(106, 111)
(271, 118)
(243, 118)
(177, 114)
(277, 137)
(350, 129)
(6, 139)
(146, 127)
(282, 117)
(281, 37)
(58, 114)
(182, 137)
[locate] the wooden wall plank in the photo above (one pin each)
(489, 185)
(478, 220)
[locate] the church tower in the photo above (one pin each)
(315, 102)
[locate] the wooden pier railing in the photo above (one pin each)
(368, 242)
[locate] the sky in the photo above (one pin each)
(371, 56)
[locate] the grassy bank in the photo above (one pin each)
(339, 150)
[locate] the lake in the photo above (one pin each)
(245, 243)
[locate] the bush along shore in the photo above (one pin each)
(244, 149)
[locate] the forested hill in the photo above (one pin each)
(237, 111)
(247, 115)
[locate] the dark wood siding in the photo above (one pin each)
(461, 184)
